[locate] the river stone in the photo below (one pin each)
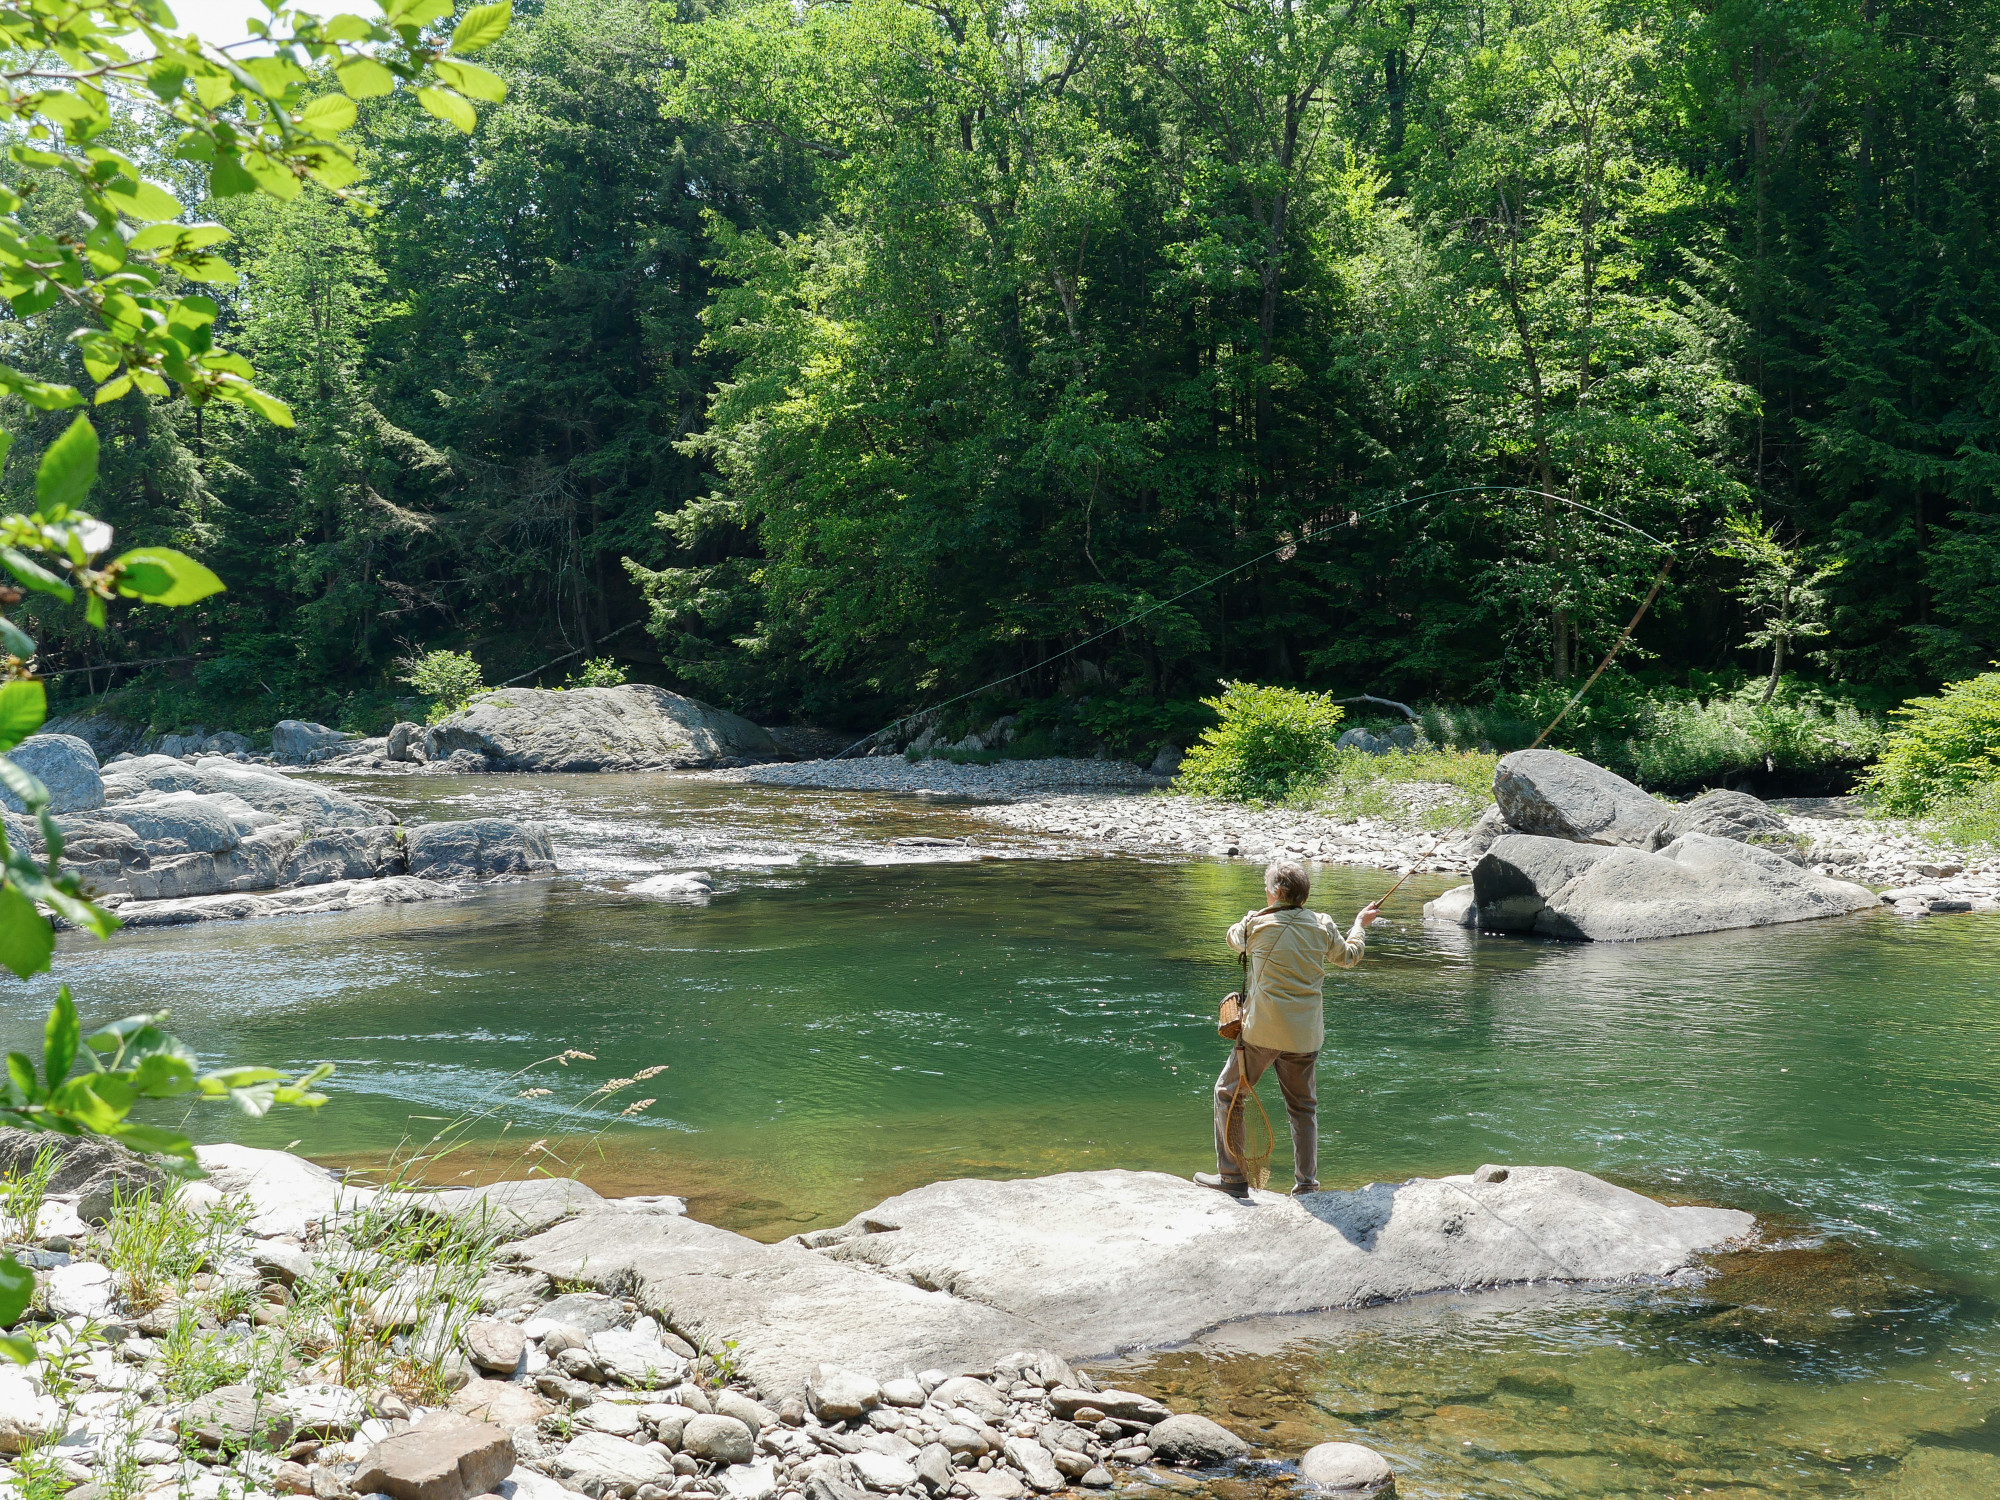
(934, 1468)
(81, 1289)
(235, 1416)
(752, 1414)
(1733, 815)
(614, 1417)
(322, 1410)
(997, 1485)
(1189, 1439)
(444, 1457)
(1477, 839)
(478, 849)
(1696, 884)
(838, 1395)
(956, 1437)
(903, 1391)
(501, 1402)
(285, 1194)
(494, 1345)
(722, 1439)
(406, 742)
(27, 1417)
(1557, 795)
(1035, 1464)
(1035, 1367)
(277, 1260)
(298, 742)
(879, 1471)
(65, 765)
(976, 1396)
(635, 727)
(1457, 907)
(1126, 1406)
(599, 1464)
(758, 1481)
(1347, 1469)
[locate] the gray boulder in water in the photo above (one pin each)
(1698, 883)
(477, 849)
(405, 742)
(64, 764)
(1562, 796)
(631, 728)
(298, 742)
(273, 792)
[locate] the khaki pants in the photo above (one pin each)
(1295, 1081)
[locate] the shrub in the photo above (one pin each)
(598, 671)
(1968, 818)
(1946, 747)
(1438, 790)
(1268, 744)
(450, 679)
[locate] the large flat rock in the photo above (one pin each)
(631, 728)
(1558, 795)
(1091, 1263)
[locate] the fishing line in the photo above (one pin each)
(1353, 519)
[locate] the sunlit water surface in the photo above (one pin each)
(852, 1016)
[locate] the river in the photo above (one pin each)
(852, 1015)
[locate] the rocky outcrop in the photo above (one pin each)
(94, 1167)
(630, 728)
(1562, 796)
(1092, 1262)
(299, 743)
(1698, 883)
(263, 790)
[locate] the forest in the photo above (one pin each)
(828, 360)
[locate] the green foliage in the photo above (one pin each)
(1432, 788)
(597, 671)
(1781, 585)
(1968, 818)
(23, 1193)
(1945, 747)
(155, 1243)
(1268, 744)
(450, 679)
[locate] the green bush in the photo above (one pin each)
(1451, 787)
(598, 671)
(1946, 747)
(450, 679)
(1269, 743)
(1969, 818)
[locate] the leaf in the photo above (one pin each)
(482, 26)
(21, 1074)
(142, 199)
(61, 1033)
(192, 236)
(33, 575)
(153, 1138)
(15, 640)
(417, 12)
(471, 80)
(17, 1290)
(112, 390)
(26, 937)
(365, 78)
(228, 179)
(269, 407)
(31, 793)
(328, 115)
(23, 704)
(68, 469)
(185, 579)
(449, 108)
(162, 1076)
(347, 28)
(21, 1350)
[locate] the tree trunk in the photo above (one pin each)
(1777, 668)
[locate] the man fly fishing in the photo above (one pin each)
(1286, 950)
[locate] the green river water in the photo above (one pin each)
(851, 1016)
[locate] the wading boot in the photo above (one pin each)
(1300, 1189)
(1222, 1184)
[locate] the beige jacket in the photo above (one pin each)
(1289, 953)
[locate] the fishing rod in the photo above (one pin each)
(1291, 546)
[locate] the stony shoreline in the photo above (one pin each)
(1110, 807)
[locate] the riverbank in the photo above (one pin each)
(1109, 807)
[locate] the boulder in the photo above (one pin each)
(1457, 907)
(477, 849)
(444, 1457)
(1189, 1439)
(1477, 839)
(81, 1289)
(630, 728)
(284, 1193)
(107, 736)
(636, 1359)
(752, 1414)
(1087, 1263)
(879, 1471)
(173, 823)
(1562, 796)
(1167, 760)
(1696, 884)
(406, 743)
(1125, 1406)
(1042, 1367)
(1733, 815)
(27, 1417)
(976, 1396)
(838, 1395)
(501, 1402)
(1035, 1464)
(1512, 883)
(297, 742)
(94, 1167)
(1347, 1469)
(236, 1416)
(64, 764)
(493, 1345)
(600, 1464)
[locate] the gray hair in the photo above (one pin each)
(1288, 881)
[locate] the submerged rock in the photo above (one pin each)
(1558, 795)
(630, 728)
(1347, 1469)
(478, 849)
